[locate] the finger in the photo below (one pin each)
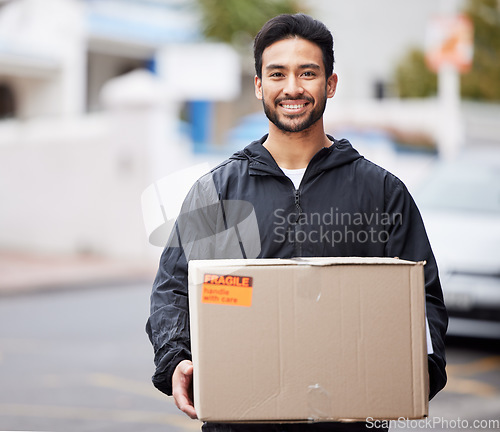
(182, 388)
(185, 405)
(190, 411)
(187, 367)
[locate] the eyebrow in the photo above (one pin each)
(304, 66)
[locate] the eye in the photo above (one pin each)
(309, 74)
(276, 75)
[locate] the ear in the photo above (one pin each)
(331, 85)
(258, 87)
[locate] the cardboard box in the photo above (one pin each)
(310, 339)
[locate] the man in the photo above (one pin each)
(269, 192)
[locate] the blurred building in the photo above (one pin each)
(92, 100)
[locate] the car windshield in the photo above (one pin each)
(462, 187)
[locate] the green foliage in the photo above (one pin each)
(238, 21)
(482, 82)
(413, 78)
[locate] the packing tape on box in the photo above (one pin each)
(318, 402)
(305, 288)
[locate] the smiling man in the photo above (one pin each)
(296, 192)
(296, 85)
(293, 81)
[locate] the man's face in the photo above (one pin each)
(294, 86)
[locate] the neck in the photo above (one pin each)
(294, 150)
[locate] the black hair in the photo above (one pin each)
(288, 26)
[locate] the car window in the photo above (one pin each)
(462, 187)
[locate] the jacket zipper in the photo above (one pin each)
(297, 244)
(296, 194)
(297, 204)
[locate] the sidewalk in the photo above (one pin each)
(24, 273)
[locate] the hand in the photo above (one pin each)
(182, 388)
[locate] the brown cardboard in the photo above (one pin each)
(311, 339)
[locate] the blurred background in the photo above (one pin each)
(109, 109)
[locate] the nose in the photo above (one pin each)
(292, 86)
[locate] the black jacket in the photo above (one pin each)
(246, 207)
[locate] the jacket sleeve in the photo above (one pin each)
(168, 324)
(408, 240)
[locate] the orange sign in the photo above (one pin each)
(450, 40)
(227, 290)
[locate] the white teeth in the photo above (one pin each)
(294, 106)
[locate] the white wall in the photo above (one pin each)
(75, 185)
(68, 189)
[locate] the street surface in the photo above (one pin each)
(80, 360)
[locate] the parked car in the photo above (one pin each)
(460, 205)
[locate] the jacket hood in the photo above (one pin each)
(261, 162)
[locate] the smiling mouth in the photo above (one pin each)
(292, 106)
(287, 106)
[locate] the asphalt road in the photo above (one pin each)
(471, 398)
(80, 361)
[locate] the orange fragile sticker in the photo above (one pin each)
(227, 290)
